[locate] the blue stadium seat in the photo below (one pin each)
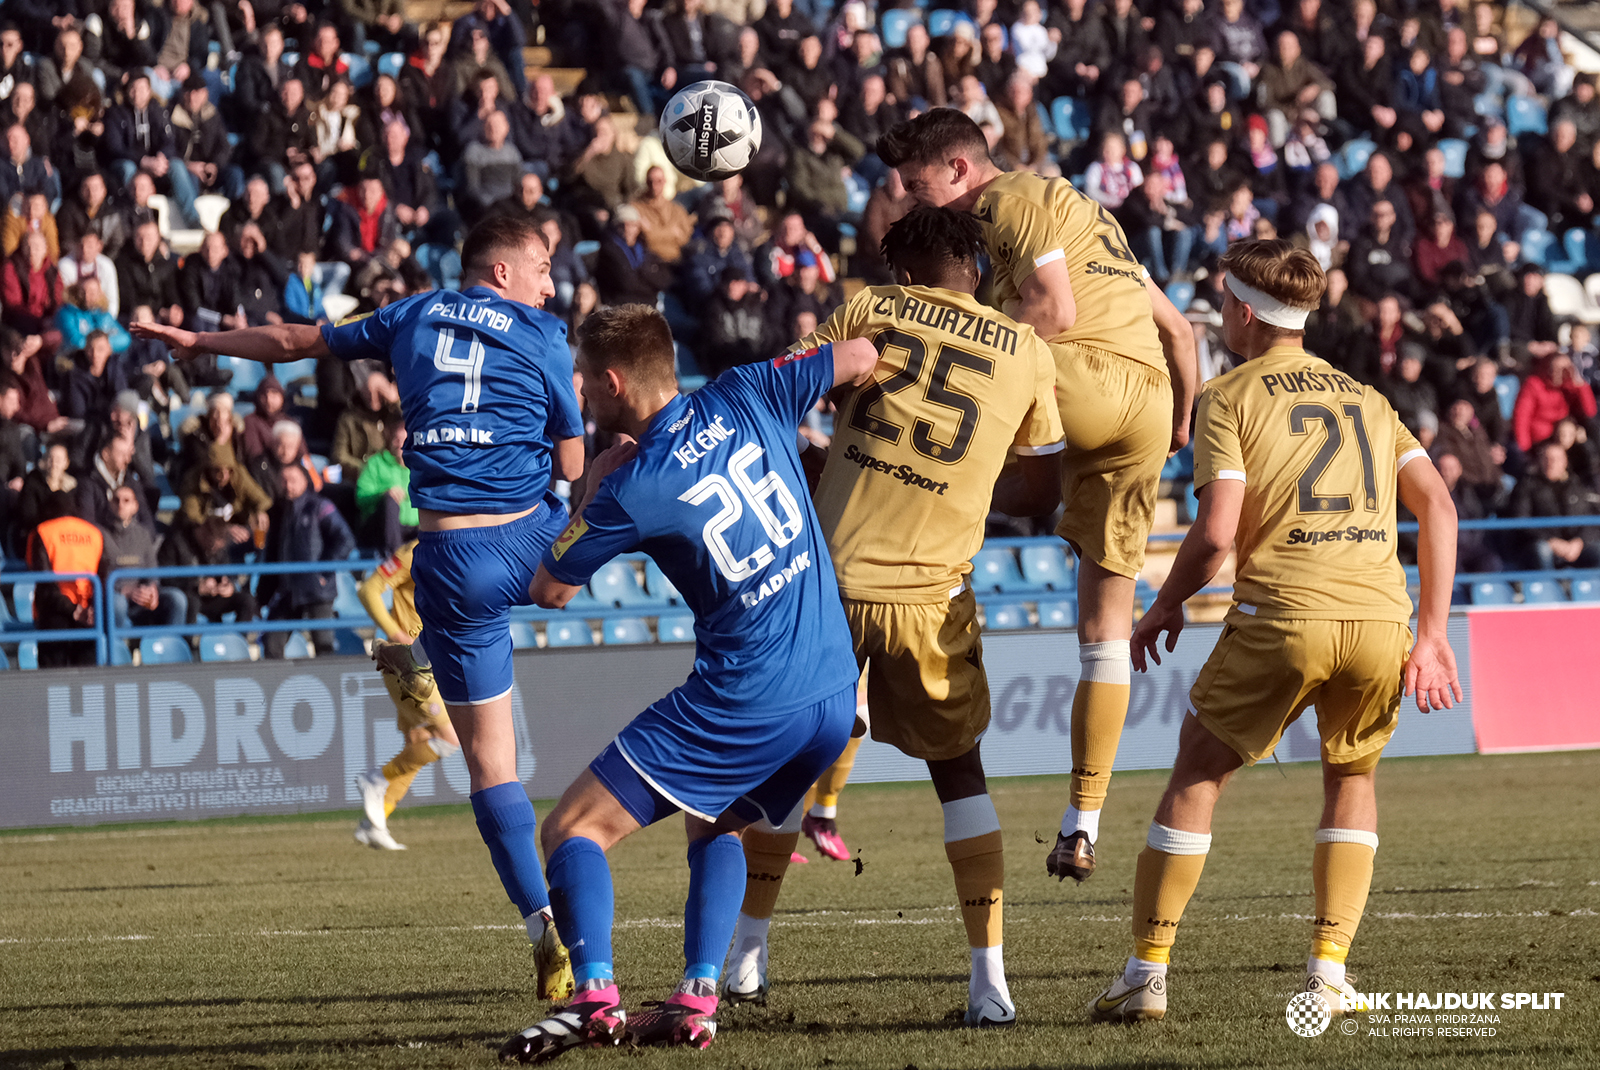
(894, 23)
(1005, 616)
(229, 646)
(1058, 615)
(442, 262)
(292, 372)
(1525, 115)
(1144, 594)
(247, 374)
(1071, 119)
(1353, 157)
(346, 602)
(675, 628)
(360, 73)
(1491, 593)
(1045, 566)
(1180, 294)
(164, 650)
(1506, 388)
(1180, 465)
(625, 631)
(1188, 503)
(996, 570)
(7, 621)
(290, 59)
(120, 654)
(1537, 245)
(296, 647)
(28, 654)
(1536, 592)
(1586, 587)
(660, 588)
(573, 632)
(1455, 156)
(616, 584)
(348, 644)
(22, 602)
(392, 63)
(942, 23)
(5, 662)
(523, 637)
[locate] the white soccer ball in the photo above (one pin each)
(711, 130)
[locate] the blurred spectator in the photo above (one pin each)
(602, 176)
(1034, 44)
(383, 493)
(139, 136)
(321, 62)
(1552, 393)
(1493, 192)
(627, 271)
(284, 136)
(65, 69)
(23, 171)
(303, 526)
(915, 78)
(220, 426)
(17, 449)
(1413, 397)
(888, 204)
(209, 285)
(1379, 263)
(1023, 145)
(1439, 248)
(709, 259)
(335, 119)
(364, 222)
(1583, 457)
(732, 199)
(972, 99)
(1292, 85)
(1157, 229)
(1531, 325)
(407, 179)
(88, 261)
(302, 291)
(665, 224)
(90, 388)
(1479, 457)
(641, 65)
(492, 23)
(186, 546)
(1549, 490)
(64, 542)
(734, 328)
(262, 277)
(90, 210)
(219, 487)
(1474, 552)
(288, 449)
(1557, 186)
(1375, 184)
(148, 276)
(776, 260)
(800, 293)
(1241, 46)
(259, 76)
(1112, 177)
(202, 141)
(137, 601)
(255, 439)
(816, 173)
(996, 64)
(35, 218)
(359, 436)
(490, 169)
(567, 270)
(84, 313)
(49, 491)
(21, 355)
(689, 40)
(30, 288)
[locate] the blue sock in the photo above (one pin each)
(580, 893)
(507, 825)
(716, 890)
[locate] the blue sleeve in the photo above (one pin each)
(791, 384)
(368, 338)
(566, 419)
(602, 531)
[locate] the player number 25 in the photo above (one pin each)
(938, 392)
(728, 490)
(470, 366)
(1301, 417)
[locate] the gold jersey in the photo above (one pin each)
(393, 573)
(916, 452)
(1319, 454)
(1029, 222)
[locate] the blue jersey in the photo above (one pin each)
(486, 388)
(717, 498)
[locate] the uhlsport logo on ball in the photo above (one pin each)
(1308, 1014)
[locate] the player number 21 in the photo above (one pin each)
(732, 492)
(470, 366)
(1301, 417)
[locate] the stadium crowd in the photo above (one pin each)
(334, 151)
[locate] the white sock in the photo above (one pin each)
(818, 810)
(1076, 820)
(988, 973)
(1138, 971)
(536, 924)
(749, 948)
(1331, 972)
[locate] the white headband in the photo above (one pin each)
(1268, 309)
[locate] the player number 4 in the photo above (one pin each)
(733, 492)
(469, 366)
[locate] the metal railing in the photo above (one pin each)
(96, 632)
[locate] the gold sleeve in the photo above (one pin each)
(1024, 238)
(1041, 431)
(389, 574)
(1218, 453)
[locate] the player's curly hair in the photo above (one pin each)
(928, 243)
(1277, 268)
(932, 137)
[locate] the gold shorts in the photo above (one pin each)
(1117, 416)
(1264, 673)
(410, 713)
(926, 688)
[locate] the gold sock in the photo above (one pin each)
(1341, 873)
(980, 872)
(832, 782)
(1161, 889)
(766, 860)
(403, 769)
(1099, 707)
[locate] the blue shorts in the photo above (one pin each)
(467, 580)
(680, 756)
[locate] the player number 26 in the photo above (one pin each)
(733, 491)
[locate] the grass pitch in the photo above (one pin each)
(281, 943)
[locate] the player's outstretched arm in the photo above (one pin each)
(853, 361)
(1031, 487)
(1177, 342)
(273, 344)
(1430, 671)
(1203, 551)
(546, 591)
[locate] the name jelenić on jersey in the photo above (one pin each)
(953, 321)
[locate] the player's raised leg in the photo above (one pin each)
(973, 845)
(1169, 871)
